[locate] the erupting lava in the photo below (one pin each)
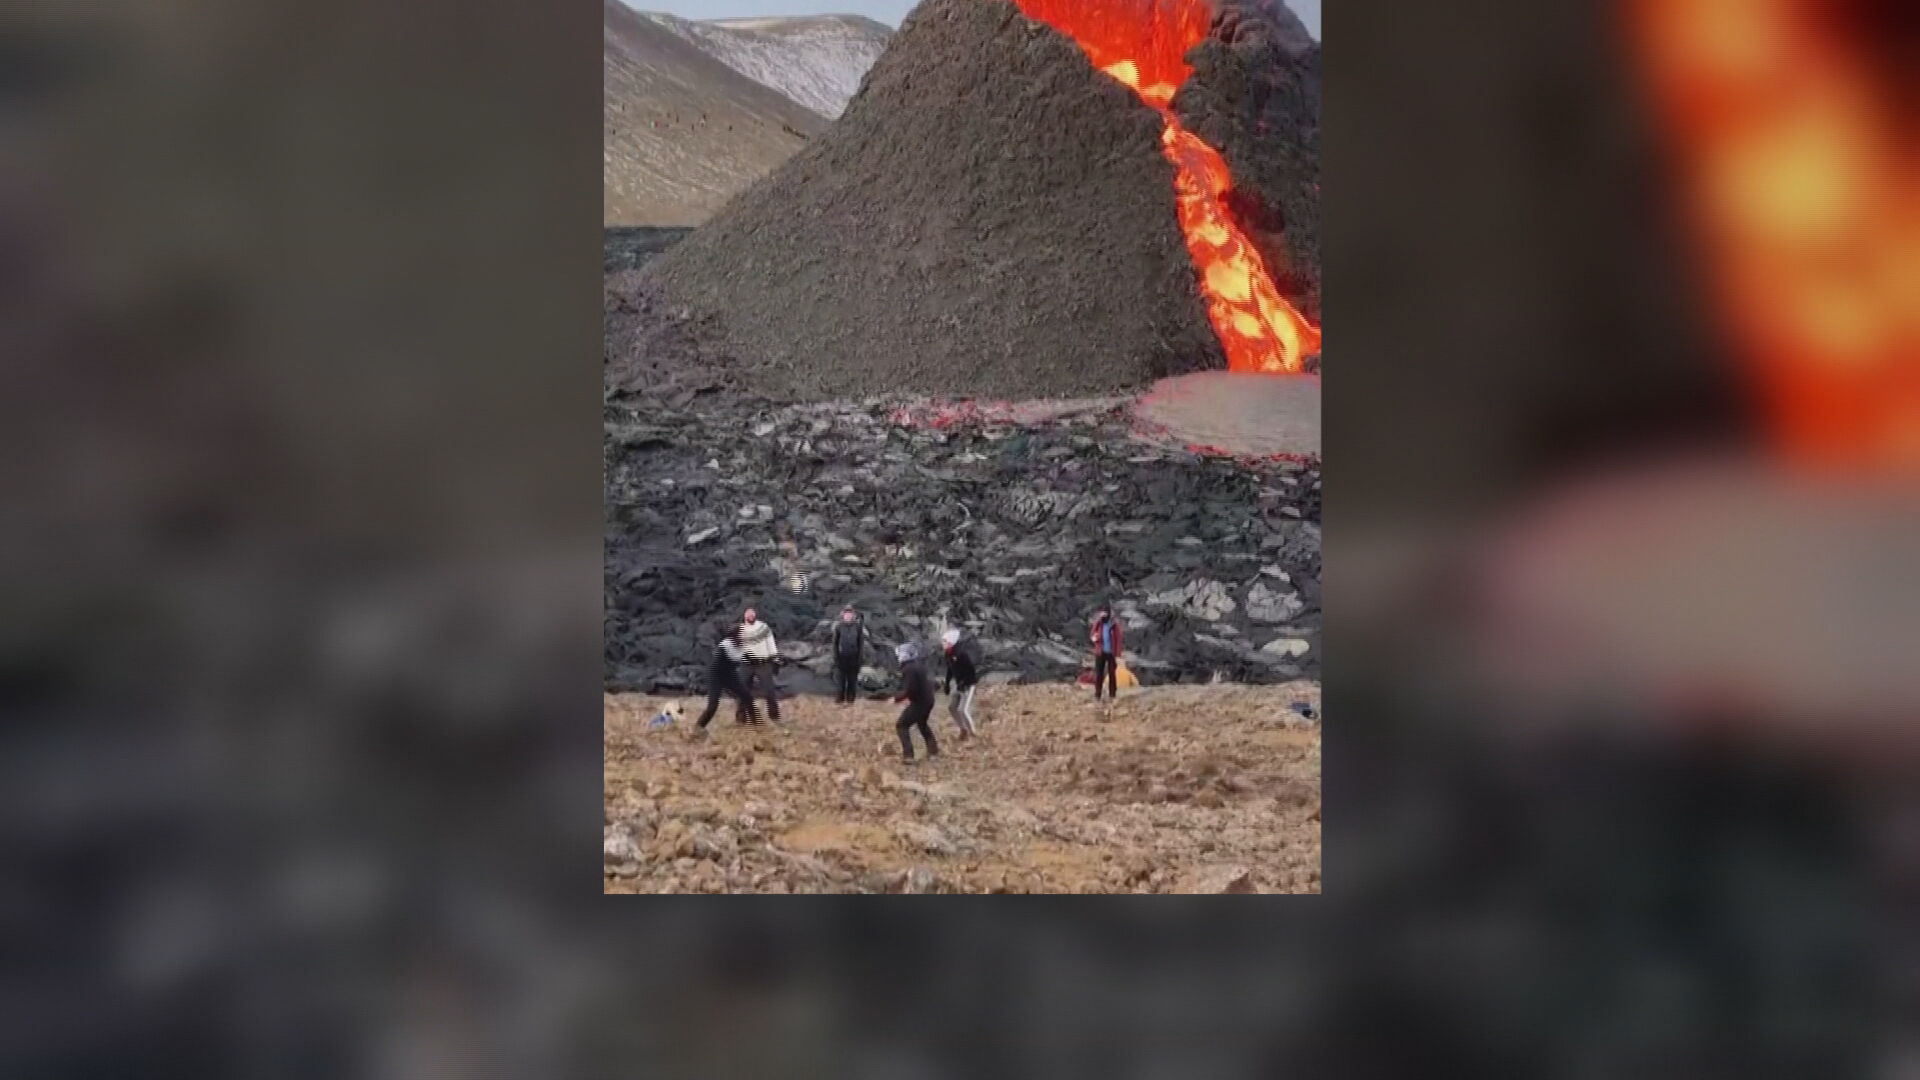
(1143, 44)
(1799, 156)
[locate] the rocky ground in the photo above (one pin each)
(629, 247)
(1189, 789)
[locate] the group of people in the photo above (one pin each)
(746, 656)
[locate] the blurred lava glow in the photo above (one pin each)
(1143, 44)
(1798, 167)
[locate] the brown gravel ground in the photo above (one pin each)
(1178, 789)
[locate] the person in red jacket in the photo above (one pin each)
(1108, 638)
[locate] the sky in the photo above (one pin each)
(886, 11)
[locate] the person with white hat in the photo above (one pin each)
(963, 670)
(918, 694)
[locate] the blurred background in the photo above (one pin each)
(300, 567)
(1620, 551)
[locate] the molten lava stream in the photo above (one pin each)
(1143, 44)
(1258, 329)
(1798, 161)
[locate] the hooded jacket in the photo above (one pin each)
(919, 685)
(727, 655)
(756, 640)
(1119, 634)
(963, 666)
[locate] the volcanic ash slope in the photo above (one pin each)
(991, 216)
(817, 60)
(1255, 95)
(682, 131)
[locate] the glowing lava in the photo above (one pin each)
(1143, 44)
(1799, 160)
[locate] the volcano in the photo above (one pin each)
(1009, 208)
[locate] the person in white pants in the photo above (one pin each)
(963, 671)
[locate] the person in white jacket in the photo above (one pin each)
(756, 641)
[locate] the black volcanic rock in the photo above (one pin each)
(924, 516)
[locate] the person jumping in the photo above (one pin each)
(756, 640)
(918, 694)
(849, 651)
(963, 670)
(1108, 638)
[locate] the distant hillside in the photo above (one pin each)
(817, 60)
(682, 131)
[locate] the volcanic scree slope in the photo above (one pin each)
(991, 216)
(682, 131)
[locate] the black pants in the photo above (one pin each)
(759, 681)
(729, 684)
(1106, 667)
(846, 672)
(915, 716)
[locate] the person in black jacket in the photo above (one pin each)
(723, 675)
(963, 671)
(849, 652)
(918, 694)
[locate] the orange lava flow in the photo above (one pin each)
(1143, 44)
(1800, 175)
